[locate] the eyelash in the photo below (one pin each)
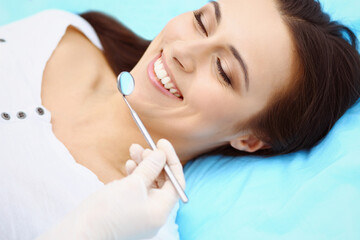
(222, 72)
(197, 15)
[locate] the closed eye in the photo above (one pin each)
(198, 15)
(227, 80)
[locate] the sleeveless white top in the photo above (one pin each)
(40, 182)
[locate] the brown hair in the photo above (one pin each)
(122, 47)
(328, 81)
(326, 85)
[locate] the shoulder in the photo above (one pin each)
(75, 59)
(78, 51)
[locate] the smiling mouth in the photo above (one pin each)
(164, 79)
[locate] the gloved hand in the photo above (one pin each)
(134, 207)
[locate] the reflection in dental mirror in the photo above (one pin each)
(125, 83)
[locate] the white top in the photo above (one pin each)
(40, 181)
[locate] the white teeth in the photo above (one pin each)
(163, 77)
(158, 68)
(165, 80)
(169, 85)
(161, 74)
(158, 62)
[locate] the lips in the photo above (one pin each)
(162, 77)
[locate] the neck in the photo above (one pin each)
(114, 130)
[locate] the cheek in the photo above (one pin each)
(214, 103)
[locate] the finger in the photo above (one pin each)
(155, 184)
(166, 197)
(136, 152)
(172, 160)
(130, 166)
(146, 153)
(151, 166)
(161, 179)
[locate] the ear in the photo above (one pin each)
(248, 143)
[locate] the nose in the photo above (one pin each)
(187, 55)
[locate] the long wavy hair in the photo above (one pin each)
(327, 84)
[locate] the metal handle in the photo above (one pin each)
(150, 141)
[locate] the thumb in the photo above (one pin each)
(149, 169)
(172, 160)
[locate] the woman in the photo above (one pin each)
(261, 77)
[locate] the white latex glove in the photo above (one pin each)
(131, 208)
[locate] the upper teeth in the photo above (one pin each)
(164, 78)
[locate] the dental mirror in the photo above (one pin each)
(126, 85)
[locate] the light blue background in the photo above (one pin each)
(145, 17)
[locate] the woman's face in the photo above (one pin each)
(226, 60)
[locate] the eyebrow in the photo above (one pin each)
(217, 11)
(242, 64)
(232, 48)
